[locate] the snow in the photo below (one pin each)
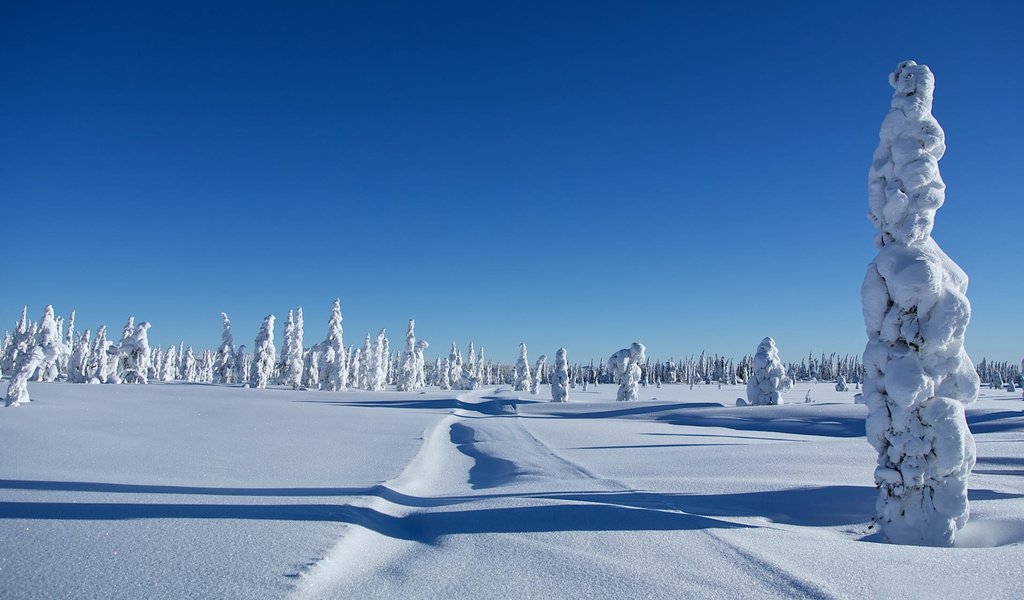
(174, 490)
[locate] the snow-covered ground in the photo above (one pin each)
(175, 490)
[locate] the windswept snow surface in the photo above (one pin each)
(175, 490)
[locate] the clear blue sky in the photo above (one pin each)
(583, 174)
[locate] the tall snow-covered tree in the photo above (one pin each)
(918, 375)
(243, 365)
(169, 368)
(135, 356)
(334, 371)
(294, 362)
(189, 366)
(538, 374)
(407, 369)
(224, 369)
(46, 346)
(768, 378)
(377, 369)
(521, 378)
(420, 374)
(78, 362)
(263, 354)
(560, 378)
(624, 366)
(455, 367)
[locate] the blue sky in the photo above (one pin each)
(580, 175)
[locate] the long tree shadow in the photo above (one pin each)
(810, 424)
(487, 470)
(424, 527)
(627, 412)
(995, 422)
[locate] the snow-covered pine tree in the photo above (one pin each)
(538, 374)
(263, 354)
(224, 369)
(334, 372)
(46, 346)
(918, 375)
(135, 353)
(294, 362)
(841, 384)
(281, 368)
(768, 378)
(169, 368)
(407, 370)
(624, 366)
(420, 374)
(521, 379)
(455, 367)
(560, 378)
(377, 371)
(243, 365)
(78, 362)
(189, 368)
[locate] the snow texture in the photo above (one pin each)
(918, 375)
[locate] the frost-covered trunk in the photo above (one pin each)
(768, 379)
(560, 378)
(521, 378)
(918, 375)
(263, 354)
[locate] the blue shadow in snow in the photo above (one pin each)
(487, 471)
(421, 527)
(810, 424)
(995, 422)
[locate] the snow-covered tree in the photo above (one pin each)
(189, 367)
(135, 356)
(263, 354)
(538, 374)
(996, 381)
(624, 366)
(224, 369)
(560, 378)
(443, 374)
(294, 366)
(243, 365)
(334, 370)
(521, 379)
(455, 367)
(407, 369)
(78, 362)
(420, 373)
(377, 369)
(768, 379)
(918, 375)
(44, 347)
(99, 359)
(841, 384)
(169, 368)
